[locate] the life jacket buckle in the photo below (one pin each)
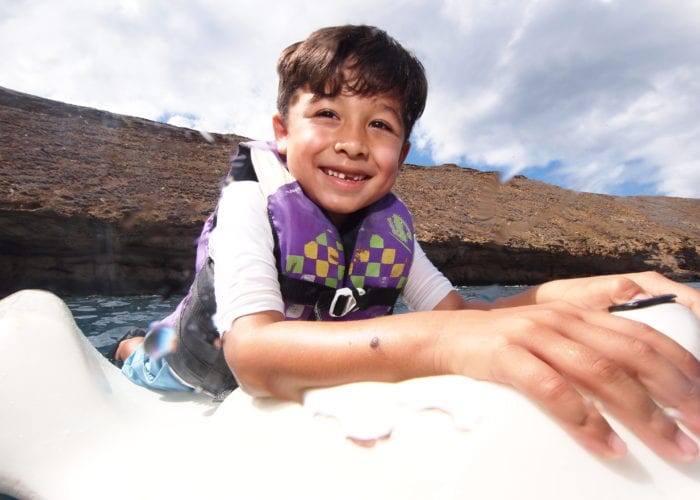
(344, 301)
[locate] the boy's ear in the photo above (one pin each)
(404, 152)
(281, 133)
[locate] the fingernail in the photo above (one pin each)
(617, 445)
(673, 413)
(687, 445)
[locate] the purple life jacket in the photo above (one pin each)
(319, 278)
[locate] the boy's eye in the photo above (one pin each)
(382, 125)
(326, 113)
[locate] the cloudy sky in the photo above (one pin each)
(594, 95)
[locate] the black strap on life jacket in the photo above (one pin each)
(197, 360)
(336, 301)
(241, 166)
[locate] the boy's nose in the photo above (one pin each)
(352, 144)
(352, 148)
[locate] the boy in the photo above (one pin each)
(310, 232)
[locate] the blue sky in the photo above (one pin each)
(593, 95)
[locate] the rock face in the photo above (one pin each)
(94, 202)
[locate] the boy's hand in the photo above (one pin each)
(559, 355)
(600, 292)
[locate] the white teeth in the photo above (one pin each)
(341, 175)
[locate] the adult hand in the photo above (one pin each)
(573, 361)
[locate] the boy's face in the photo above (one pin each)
(344, 151)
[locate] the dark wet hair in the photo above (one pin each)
(362, 60)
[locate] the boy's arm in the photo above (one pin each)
(553, 353)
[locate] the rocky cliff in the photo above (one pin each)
(94, 202)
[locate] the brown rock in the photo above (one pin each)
(524, 231)
(94, 202)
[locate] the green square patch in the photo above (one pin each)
(373, 269)
(376, 241)
(295, 264)
(358, 281)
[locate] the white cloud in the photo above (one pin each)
(606, 89)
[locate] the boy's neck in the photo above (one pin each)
(338, 220)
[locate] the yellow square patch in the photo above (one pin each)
(311, 250)
(388, 255)
(322, 268)
(397, 270)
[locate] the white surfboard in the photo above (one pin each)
(72, 427)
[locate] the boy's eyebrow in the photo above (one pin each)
(394, 112)
(392, 109)
(317, 97)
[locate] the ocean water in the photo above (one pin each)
(105, 319)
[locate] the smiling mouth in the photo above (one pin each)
(342, 176)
